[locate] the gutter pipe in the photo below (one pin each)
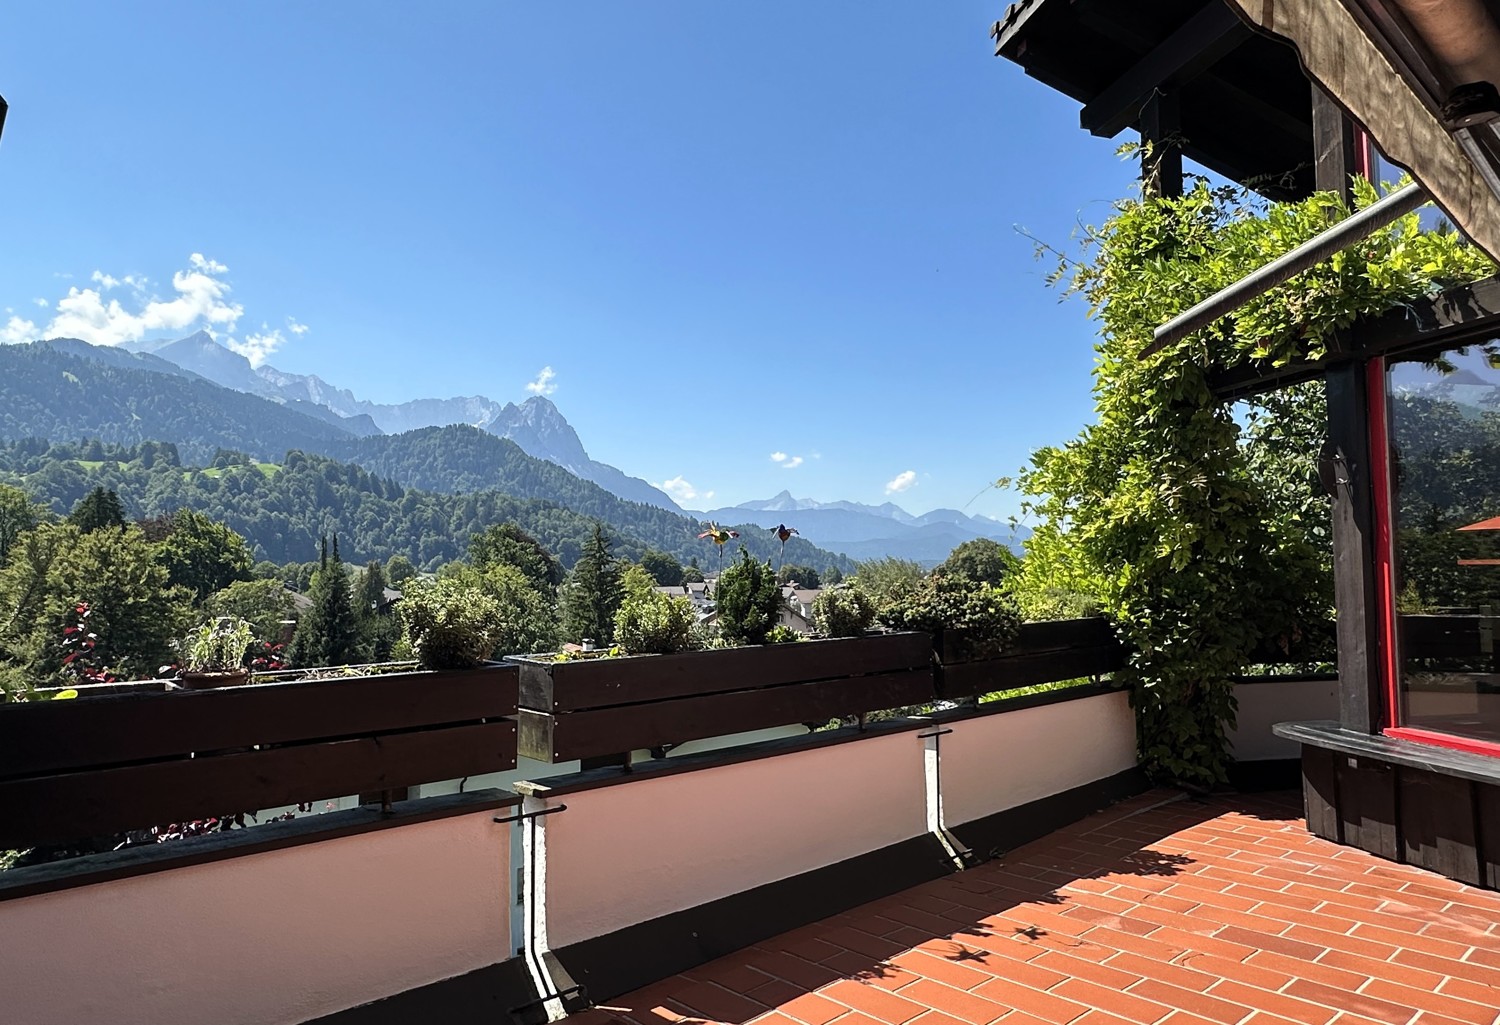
(1314, 251)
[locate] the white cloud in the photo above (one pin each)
(682, 491)
(787, 462)
(207, 266)
(17, 329)
(200, 300)
(257, 347)
(778, 457)
(543, 384)
(901, 482)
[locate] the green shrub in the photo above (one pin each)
(986, 614)
(843, 611)
(450, 626)
(748, 599)
(782, 634)
(650, 622)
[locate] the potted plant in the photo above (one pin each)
(449, 625)
(214, 656)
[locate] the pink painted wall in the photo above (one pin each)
(266, 939)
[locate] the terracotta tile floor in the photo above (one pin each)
(1162, 909)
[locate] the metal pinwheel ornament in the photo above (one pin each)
(783, 534)
(720, 536)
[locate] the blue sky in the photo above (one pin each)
(730, 231)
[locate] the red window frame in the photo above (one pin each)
(1388, 664)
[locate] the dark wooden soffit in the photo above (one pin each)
(1460, 316)
(1246, 107)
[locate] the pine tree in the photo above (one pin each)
(748, 600)
(593, 592)
(328, 633)
(98, 509)
(378, 628)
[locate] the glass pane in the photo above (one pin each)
(1445, 463)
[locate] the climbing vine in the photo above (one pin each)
(1163, 513)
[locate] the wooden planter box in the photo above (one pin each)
(92, 766)
(1062, 649)
(598, 707)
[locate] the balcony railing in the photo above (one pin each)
(527, 909)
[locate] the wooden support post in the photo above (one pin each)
(1349, 477)
(1354, 549)
(1334, 145)
(1161, 159)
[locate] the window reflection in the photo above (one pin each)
(1445, 460)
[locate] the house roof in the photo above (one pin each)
(1490, 524)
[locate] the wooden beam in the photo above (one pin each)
(1199, 43)
(1161, 138)
(1470, 313)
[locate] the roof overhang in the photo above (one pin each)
(1245, 106)
(1403, 85)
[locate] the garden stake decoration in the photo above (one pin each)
(784, 534)
(720, 536)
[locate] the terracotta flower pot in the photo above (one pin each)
(213, 678)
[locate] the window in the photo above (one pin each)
(1444, 480)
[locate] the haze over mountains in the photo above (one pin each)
(872, 531)
(218, 399)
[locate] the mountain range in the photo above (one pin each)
(267, 412)
(872, 531)
(427, 490)
(536, 424)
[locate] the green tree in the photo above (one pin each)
(664, 569)
(328, 633)
(593, 592)
(398, 570)
(379, 629)
(804, 575)
(748, 600)
(832, 576)
(527, 618)
(980, 561)
(880, 577)
(204, 555)
(18, 514)
(508, 544)
(100, 508)
(133, 611)
(691, 574)
(264, 604)
(636, 579)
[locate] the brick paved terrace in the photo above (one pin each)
(1163, 910)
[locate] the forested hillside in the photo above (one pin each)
(46, 392)
(283, 509)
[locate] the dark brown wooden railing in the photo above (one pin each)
(143, 755)
(102, 765)
(597, 709)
